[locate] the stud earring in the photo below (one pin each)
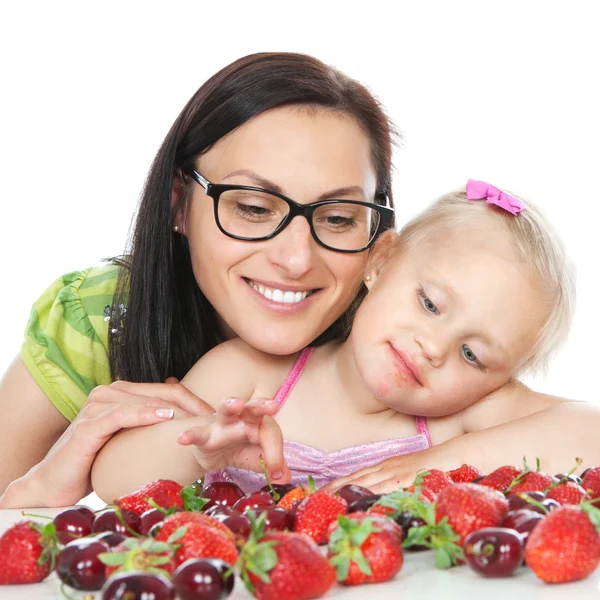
(176, 229)
(368, 278)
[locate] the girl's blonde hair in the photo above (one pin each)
(536, 243)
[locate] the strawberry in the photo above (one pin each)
(591, 481)
(316, 512)
(567, 493)
(198, 537)
(292, 497)
(565, 545)
(425, 495)
(365, 548)
(171, 523)
(163, 493)
(434, 480)
(501, 478)
(396, 503)
(27, 553)
(469, 506)
(140, 555)
(531, 481)
(464, 474)
(283, 565)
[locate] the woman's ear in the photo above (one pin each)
(380, 254)
(177, 192)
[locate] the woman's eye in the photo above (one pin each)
(469, 354)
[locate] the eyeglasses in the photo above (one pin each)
(254, 214)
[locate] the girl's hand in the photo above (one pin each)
(241, 434)
(384, 477)
(63, 476)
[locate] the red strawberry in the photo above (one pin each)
(316, 512)
(198, 538)
(464, 474)
(434, 480)
(469, 507)
(567, 493)
(501, 478)
(565, 545)
(140, 555)
(426, 495)
(531, 481)
(163, 492)
(397, 503)
(365, 549)
(591, 481)
(171, 523)
(284, 565)
(292, 497)
(27, 553)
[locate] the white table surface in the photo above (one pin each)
(418, 580)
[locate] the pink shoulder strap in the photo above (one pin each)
(422, 429)
(292, 376)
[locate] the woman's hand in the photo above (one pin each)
(241, 434)
(63, 476)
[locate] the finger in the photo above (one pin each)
(150, 394)
(385, 486)
(257, 408)
(197, 436)
(171, 380)
(229, 412)
(270, 440)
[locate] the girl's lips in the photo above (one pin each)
(407, 366)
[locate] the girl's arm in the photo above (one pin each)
(557, 434)
(134, 457)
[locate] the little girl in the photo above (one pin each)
(469, 295)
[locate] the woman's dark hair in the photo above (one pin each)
(169, 323)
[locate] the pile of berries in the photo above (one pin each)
(169, 542)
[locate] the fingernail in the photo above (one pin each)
(230, 401)
(277, 475)
(164, 413)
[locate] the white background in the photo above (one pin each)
(504, 91)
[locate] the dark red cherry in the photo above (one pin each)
(148, 519)
(255, 500)
(279, 490)
(569, 477)
(350, 492)
(108, 520)
(135, 585)
(202, 579)
(364, 503)
(518, 501)
(407, 521)
(111, 538)
(523, 521)
(220, 509)
(86, 512)
(71, 524)
(78, 564)
(277, 519)
(221, 492)
(494, 551)
(240, 525)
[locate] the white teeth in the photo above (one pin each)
(287, 297)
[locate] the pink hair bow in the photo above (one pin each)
(480, 190)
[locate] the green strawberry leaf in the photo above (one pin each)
(113, 559)
(359, 558)
(341, 564)
(177, 534)
(159, 560)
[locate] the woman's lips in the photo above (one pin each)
(407, 367)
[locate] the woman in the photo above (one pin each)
(310, 134)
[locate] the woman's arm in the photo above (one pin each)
(29, 423)
(134, 457)
(557, 435)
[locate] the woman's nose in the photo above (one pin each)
(293, 251)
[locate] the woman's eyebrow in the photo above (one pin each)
(272, 186)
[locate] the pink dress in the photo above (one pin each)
(304, 460)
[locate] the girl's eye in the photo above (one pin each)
(469, 354)
(428, 305)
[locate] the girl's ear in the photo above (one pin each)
(380, 254)
(176, 202)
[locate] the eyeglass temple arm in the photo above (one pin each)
(201, 180)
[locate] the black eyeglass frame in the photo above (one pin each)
(214, 190)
